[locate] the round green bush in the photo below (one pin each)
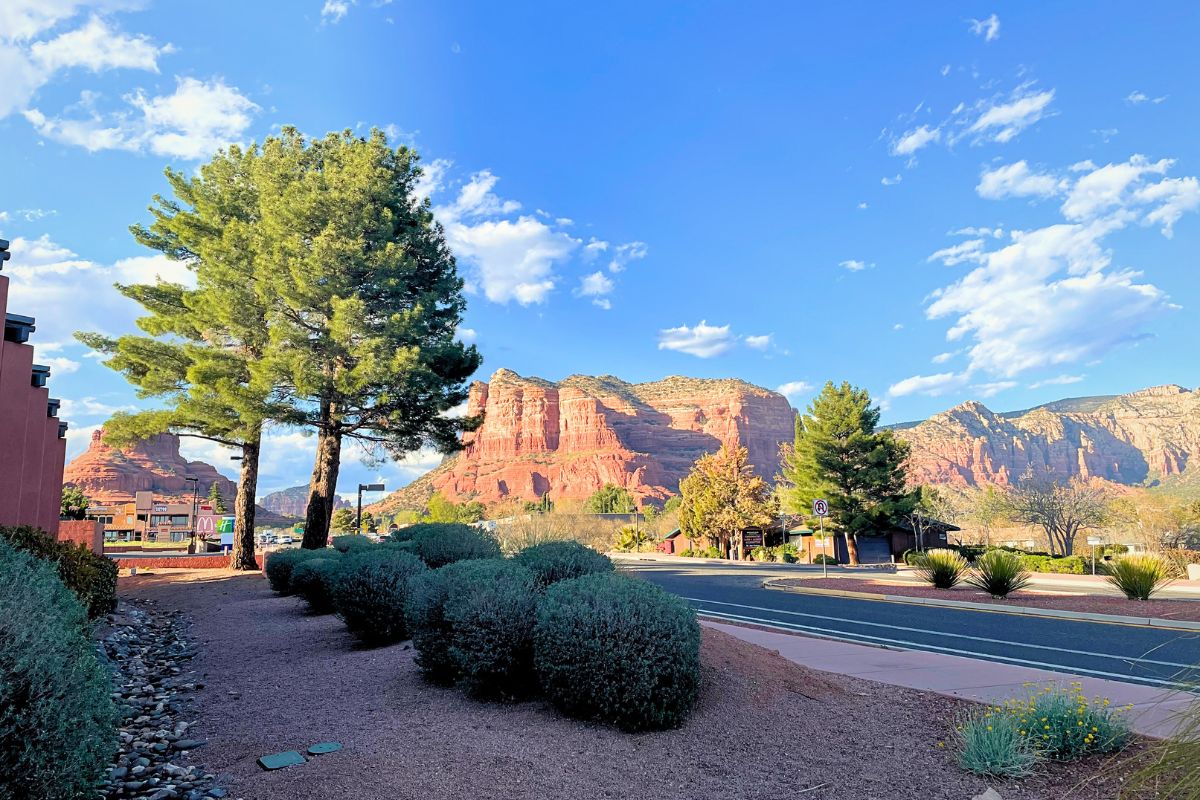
(91, 576)
(489, 613)
(313, 579)
(352, 543)
(280, 564)
(439, 544)
(57, 723)
(613, 648)
(552, 562)
(371, 591)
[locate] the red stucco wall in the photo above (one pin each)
(87, 532)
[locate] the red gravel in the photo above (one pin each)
(1093, 603)
(764, 728)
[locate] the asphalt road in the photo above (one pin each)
(1136, 654)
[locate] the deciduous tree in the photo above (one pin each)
(721, 496)
(74, 503)
(1061, 508)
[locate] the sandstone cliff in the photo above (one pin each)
(572, 437)
(1143, 438)
(293, 502)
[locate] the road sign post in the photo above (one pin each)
(1093, 541)
(821, 510)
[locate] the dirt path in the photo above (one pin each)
(277, 679)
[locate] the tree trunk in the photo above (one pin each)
(851, 548)
(243, 507)
(322, 488)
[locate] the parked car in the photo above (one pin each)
(286, 540)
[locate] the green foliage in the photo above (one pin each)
(489, 612)
(439, 544)
(943, 569)
(280, 564)
(74, 503)
(786, 553)
(370, 593)
(426, 620)
(761, 553)
(838, 455)
(351, 543)
(633, 539)
(706, 552)
(821, 558)
(57, 723)
(214, 496)
(1138, 575)
(92, 577)
(342, 521)
(999, 573)
(912, 557)
(552, 562)
(721, 496)
(610, 499)
(994, 745)
(439, 509)
(672, 504)
(314, 580)
(543, 505)
(613, 648)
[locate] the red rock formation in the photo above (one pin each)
(1131, 439)
(572, 437)
(293, 502)
(107, 474)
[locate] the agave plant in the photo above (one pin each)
(941, 568)
(1138, 575)
(999, 573)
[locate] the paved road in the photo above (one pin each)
(1135, 654)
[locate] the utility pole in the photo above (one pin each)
(192, 516)
(364, 487)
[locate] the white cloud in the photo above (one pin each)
(1017, 180)
(89, 408)
(995, 233)
(863, 206)
(1003, 121)
(467, 335)
(913, 140)
(886, 181)
(970, 250)
(994, 388)
(931, 385)
(945, 70)
(1060, 380)
(794, 389)
(702, 340)
(759, 342)
(194, 121)
(942, 358)
(1136, 98)
(335, 10)
(596, 286)
(97, 46)
(854, 265)
(988, 28)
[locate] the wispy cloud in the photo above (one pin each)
(988, 28)
(701, 340)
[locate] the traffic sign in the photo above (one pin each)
(820, 508)
(1094, 540)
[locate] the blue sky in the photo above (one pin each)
(938, 201)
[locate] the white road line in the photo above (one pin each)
(825, 618)
(856, 637)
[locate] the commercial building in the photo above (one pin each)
(32, 438)
(147, 519)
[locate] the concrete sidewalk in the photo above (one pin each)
(1155, 711)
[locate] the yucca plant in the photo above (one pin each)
(1138, 575)
(999, 573)
(941, 568)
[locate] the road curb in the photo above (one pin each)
(1026, 611)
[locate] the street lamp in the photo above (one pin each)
(192, 517)
(365, 487)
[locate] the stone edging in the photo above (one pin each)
(1028, 611)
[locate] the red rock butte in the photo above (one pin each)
(108, 474)
(572, 437)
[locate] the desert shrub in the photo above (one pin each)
(441, 543)
(1067, 565)
(911, 557)
(821, 558)
(1138, 575)
(712, 551)
(999, 573)
(942, 569)
(489, 612)
(786, 553)
(57, 723)
(92, 577)
(993, 744)
(404, 534)
(969, 551)
(370, 593)
(557, 561)
(1066, 725)
(280, 564)
(425, 617)
(610, 647)
(1034, 562)
(1177, 559)
(352, 542)
(634, 539)
(760, 553)
(313, 579)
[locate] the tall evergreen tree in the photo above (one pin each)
(206, 346)
(366, 303)
(214, 496)
(838, 455)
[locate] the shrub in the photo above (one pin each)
(1069, 565)
(1066, 726)
(489, 612)
(614, 648)
(424, 615)
(760, 553)
(557, 561)
(999, 573)
(712, 551)
(370, 594)
(92, 577)
(943, 569)
(786, 553)
(634, 539)
(352, 542)
(1035, 563)
(57, 723)
(1138, 576)
(280, 564)
(822, 558)
(993, 744)
(911, 557)
(439, 544)
(313, 579)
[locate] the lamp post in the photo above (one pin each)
(365, 487)
(192, 517)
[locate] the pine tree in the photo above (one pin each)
(366, 304)
(214, 495)
(838, 455)
(721, 497)
(610, 499)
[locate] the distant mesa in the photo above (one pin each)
(293, 502)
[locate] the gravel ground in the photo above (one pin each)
(276, 679)
(1094, 603)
